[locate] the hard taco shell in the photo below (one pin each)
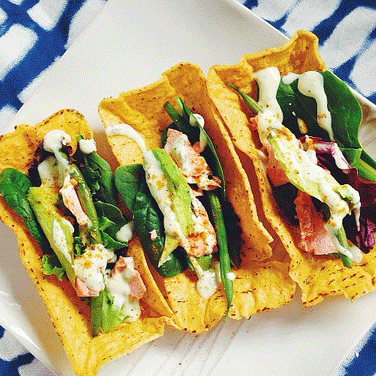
(316, 276)
(69, 314)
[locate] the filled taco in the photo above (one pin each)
(295, 126)
(58, 195)
(192, 205)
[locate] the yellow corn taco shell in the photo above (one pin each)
(69, 314)
(261, 283)
(316, 276)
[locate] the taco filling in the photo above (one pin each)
(186, 196)
(69, 204)
(310, 144)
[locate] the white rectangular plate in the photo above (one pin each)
(127, 46)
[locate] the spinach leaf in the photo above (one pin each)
(131, 184)
(98, 175)
(128, 180)
(112, 243)
(113, 213)
(14, 186)
(356, 158)
(104, 315)
(342, 104)
(296, 105)
(288, 102)
(352, 155)
(110, 219)
(345, 111)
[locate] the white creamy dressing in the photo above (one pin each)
(90, 266)
(325, 187)
(128, 131)
(207, 283)
(53, 142)
(157, 183)
(179, 152)
(230, 276)
(311, 84)
(49, 171)
(87, 146)
(125, 233)
(268, 81)
(60, 241)
(117, 285)
(208, 280)
(155, 179)
(290, 78)
(192, 121)
(352, 251)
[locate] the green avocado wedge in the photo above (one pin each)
(56, 228)
(180, 198)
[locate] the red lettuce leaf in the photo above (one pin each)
(330, 157)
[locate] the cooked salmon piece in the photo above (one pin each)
(274, 170)
(135, 282)
(72, 202)
(191, 164)
(315, 238)
(203, 240)
(83, 290)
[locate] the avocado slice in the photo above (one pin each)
(305, 174)
(180, 201)
(56, 227)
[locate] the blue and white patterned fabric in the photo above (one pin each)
(35, 33)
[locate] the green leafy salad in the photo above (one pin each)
(321, 176)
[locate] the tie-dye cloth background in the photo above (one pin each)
(35, 33)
